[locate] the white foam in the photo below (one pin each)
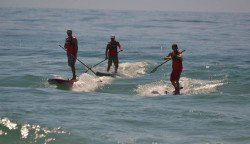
(8, 123)
(89, 83)
(191, 86)
(131, 70)
(200, 86)
(25, 131)
(2, 133)
(49, 140)
(151, 89)
(127, 70)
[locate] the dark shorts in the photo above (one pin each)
(114, 60)
(175, 75)
(71, 61)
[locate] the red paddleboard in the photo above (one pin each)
(61, 81)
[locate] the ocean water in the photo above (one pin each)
(131, 108)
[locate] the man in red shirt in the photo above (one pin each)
(111, 53)
(72, 48)
(177, 67)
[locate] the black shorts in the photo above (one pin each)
(114, 60)
(71, 60)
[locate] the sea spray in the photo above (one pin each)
(191, 86)
(89, 83)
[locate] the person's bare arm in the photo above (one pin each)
(106, 52)
(179, 56)
(121, 49)
(65, 44)
(168, 56)
(76, 46)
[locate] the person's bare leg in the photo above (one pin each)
(116, 68)
(108, 68)
(178, 85)
(73, 72)
(174, 84)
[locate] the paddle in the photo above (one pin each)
(98, 63)
(155, 69)
(79, 61)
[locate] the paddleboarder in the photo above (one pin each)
(111, 52)
(72, 49)
(177, 67)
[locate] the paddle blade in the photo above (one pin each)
(153, 70)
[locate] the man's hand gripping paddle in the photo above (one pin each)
(155, 69)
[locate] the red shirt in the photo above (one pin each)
(112, 47)
(176, 63)
(70, 46)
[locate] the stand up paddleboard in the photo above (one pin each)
(105, 74)
(61, 81)
(173, 93)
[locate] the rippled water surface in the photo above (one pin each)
(131, 107)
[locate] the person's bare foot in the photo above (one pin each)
(74, 78)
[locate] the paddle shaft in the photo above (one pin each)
(99, 63)
(162, 64)
(79, 60)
